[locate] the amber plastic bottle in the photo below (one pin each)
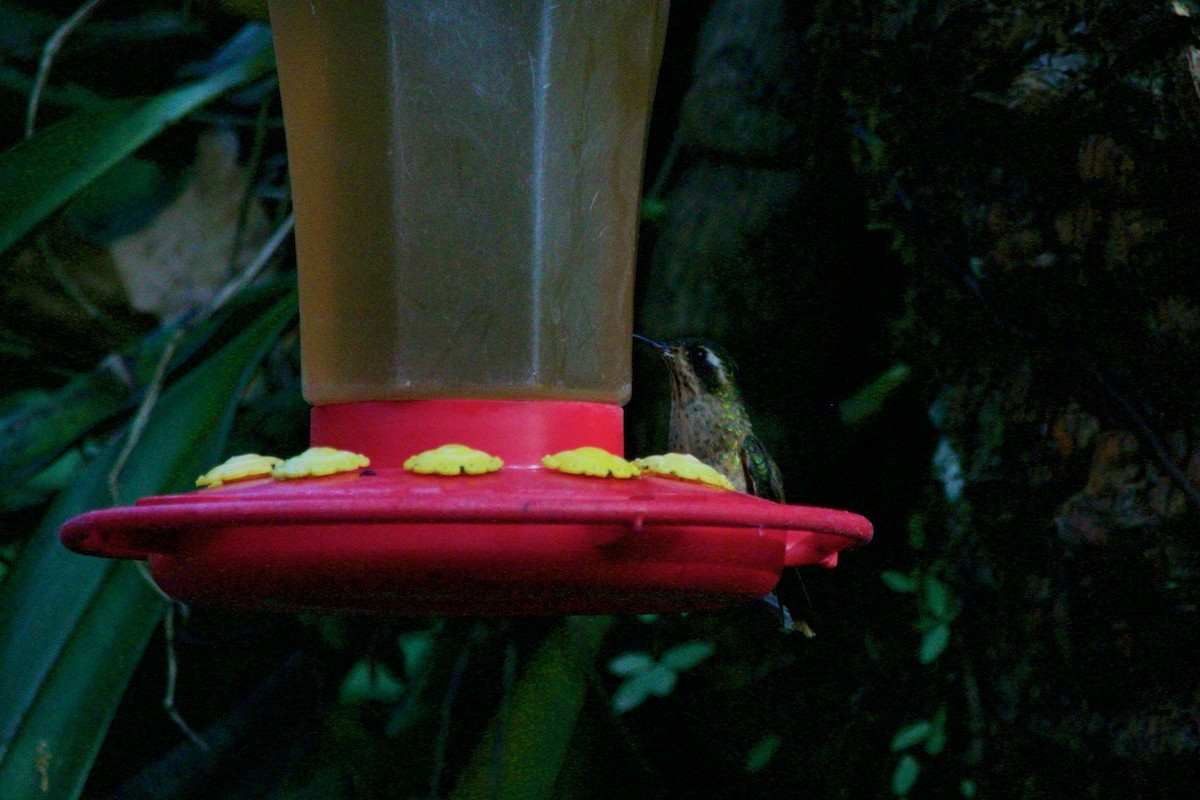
(466, 178)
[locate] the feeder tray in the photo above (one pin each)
(523, 540)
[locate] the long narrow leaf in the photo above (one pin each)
(544, 709)
(37, 432)
(72, 628)
(39, 175)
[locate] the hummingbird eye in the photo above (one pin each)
(708, 367)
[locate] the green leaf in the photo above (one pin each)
(43, 486)
(761, 754)
(415, 647)
(936, 742)
(938, 598)
(653, 209)
(905, 775)
(911, 735)
(369, 680)
(656, 679)
(40, 174)
(933, 643)
(63, 686)
(41, 428)
(868, 401)
(898, 581)
(72, 628)
(659, 681)
(629, 695)
(916, 531)
(684, 656)
(8, 554)
(948, 469)
(631, 663)
(968, 788)
(71, 95)
(120, 201)
(521, 755)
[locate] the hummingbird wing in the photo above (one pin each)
(763, 478)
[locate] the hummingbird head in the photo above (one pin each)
(697, 367)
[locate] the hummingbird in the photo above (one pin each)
(709, 421)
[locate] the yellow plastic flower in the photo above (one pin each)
(591, 461)
(317, 461)
(247, 465)
(686, 466)
(453, 459)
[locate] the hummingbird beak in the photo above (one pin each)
(662, 348)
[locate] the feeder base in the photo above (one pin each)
(523, 540)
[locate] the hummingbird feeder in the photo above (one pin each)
(466, 182)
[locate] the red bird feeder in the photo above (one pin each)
(466, 190)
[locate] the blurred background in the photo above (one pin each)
(952, 248)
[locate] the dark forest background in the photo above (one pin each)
(953, 248)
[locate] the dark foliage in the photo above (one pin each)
(1027, 171)
(951, 247)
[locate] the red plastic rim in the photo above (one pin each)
(522, 540)
(518, 431)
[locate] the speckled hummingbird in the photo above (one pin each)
(709, 421)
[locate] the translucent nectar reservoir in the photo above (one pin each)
(466, 187)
